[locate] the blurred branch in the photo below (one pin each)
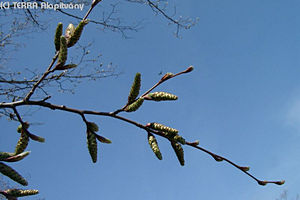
(157, 8)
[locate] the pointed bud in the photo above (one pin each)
(135, 88)
(179, 152)
(195, 143)
(58, 33)
(280, 182)
(161, 127)
(77, 33)
(95, 2)
(245, 169)
(154, 146)
(102, 139)
(64, 67)
(218, 158)
(262, 182)
(161, 96)
(167, 76)
(12, 174)
(35, 137)
(135, 105)
(92, 145)
(189, 69)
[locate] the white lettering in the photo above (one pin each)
(4, 5)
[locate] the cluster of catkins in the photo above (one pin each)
(18, 155)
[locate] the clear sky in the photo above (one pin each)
(242, 101)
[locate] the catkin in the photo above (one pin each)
(77, 33)
(154, 146)
(22, 143)
(12, 174)
(63, 51)
(135, 105)
(58, 33)
(161, 127)
(179, 152)
(20, 193)
(161, 96)
(92, 145)
(135, 88)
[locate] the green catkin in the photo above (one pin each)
(135, 105)
(58, 33)
(22, 143)
(135, 88)
(12, 174)
(154, 146)
(161, 96)
(161, 127)
(92, 145)
(20, 193)
(179, 152)
(63, 51)
(77, 33)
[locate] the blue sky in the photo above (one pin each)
(242, 101)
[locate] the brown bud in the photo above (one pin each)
(189, 69)
(218, 158)
(262, 182)
(245, 169)
(280, 182)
